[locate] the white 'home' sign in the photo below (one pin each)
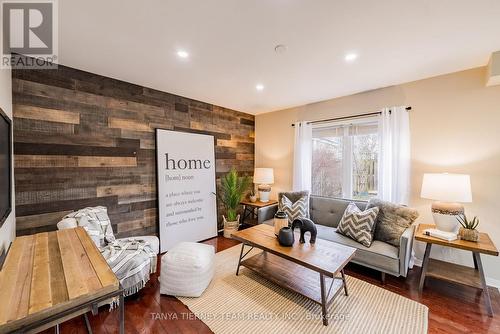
(186, 187)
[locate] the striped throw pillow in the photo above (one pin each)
(294, 210)
(358, 225)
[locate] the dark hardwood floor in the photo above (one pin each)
(452, 308)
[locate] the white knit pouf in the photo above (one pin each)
(187, 269)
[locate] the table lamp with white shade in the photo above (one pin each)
(263, 177)
(448, 191)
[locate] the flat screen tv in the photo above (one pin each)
(5, 167)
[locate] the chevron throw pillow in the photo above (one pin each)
(358, 225)
(294, 210)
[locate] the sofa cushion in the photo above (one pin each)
(269, 222)
(392, 220)
(379, 255)
(328, 211)
(358, 225)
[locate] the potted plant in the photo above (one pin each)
(252, 196)
(232, 190)
(468, 229)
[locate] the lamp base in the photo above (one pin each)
(264, 191)
(264, 196)
(445, 216)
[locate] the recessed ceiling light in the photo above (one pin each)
(280, 48)
(350, 57)
(259, 87)
(182, 54)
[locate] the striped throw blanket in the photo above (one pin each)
(132, 260)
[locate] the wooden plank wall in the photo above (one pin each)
(81, 139)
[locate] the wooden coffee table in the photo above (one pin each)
(310, 270)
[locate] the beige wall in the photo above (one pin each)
(455, 127)
(8, 230)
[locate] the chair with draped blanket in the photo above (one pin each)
(131, 259)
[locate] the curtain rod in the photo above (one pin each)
(348, 117)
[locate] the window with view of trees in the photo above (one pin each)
(345, 160)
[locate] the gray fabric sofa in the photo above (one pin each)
(327, 212)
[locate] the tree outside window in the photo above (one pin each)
(345, 161)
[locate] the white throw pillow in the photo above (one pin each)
(358, 225)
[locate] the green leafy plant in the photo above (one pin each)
(468, 224)
(232, 190)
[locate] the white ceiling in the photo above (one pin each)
(231, 45)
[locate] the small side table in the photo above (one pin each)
(251, 209)
(453, 272)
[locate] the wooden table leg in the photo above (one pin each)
(244, 215)
(324, 315)
(475, 262)
(122, 313)
(239, 260)
(425, 263)
(487, 300)
(345, 283)
(87, 323)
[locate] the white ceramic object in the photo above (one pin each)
(446, 222)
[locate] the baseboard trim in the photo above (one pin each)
(493, 282)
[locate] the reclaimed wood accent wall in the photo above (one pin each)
(81, 140)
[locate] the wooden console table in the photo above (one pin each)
(48, 278)
(453, 272)
(250, 208)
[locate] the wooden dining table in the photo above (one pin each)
(50, 277)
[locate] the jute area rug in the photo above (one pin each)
(248, 303)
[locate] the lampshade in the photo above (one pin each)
(447, 187)
(263, 176)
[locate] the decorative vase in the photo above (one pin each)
(469, 235)
(285, 237)
(253, 198)
(280, 221)
(230, 226)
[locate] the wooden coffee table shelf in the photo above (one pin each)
(461, 274)
(292, 276)
(315, 271)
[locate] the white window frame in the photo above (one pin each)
(347, 145)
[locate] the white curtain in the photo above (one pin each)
(394, 157)
(302, 158)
